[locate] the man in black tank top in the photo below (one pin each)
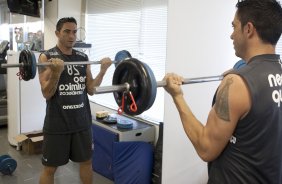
(67, 124)
(241, 140)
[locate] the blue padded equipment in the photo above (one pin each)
(132, 162)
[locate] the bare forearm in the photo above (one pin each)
(50, 86)
(193, 128)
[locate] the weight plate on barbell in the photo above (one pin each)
(28, 70)
(153, 91)
(122, 55)
(33, 65)
(142, 83)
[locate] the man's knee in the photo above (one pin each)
(49, 170)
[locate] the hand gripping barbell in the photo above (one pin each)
(137, 77)
(27, 63)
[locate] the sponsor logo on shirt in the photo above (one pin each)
(75, 88)
(77, 106)
(275, 80)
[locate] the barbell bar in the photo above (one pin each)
(50, 63)
(27, 63)
(126, 86)
(65, 63)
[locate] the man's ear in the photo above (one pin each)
(250, 28)
(57, 33)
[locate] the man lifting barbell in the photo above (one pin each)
(67, 124)
(242, 136)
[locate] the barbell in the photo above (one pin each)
(136, 77)
(126, 86)
(27, 63)
(130, 76)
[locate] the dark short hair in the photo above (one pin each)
(265, 15)
(63, 20)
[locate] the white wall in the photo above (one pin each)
(26, 105)
(56, 9)
(50, 20)
(198, 44)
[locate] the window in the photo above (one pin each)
(279, 47)
(138, 26)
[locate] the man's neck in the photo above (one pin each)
(64, 50)
(260, 50)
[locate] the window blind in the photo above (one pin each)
(279, 47)
(139, 26)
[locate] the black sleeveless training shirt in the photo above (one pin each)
(68, 110)
(254, 152)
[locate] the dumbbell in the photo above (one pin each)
(7, 164)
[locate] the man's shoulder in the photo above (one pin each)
(51, 52)
(79, 53)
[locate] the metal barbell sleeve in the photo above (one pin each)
(126, 86)
(113, 88)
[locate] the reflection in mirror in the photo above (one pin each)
(22, 31)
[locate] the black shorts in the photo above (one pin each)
(58, 149)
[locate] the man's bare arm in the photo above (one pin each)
(49, 76)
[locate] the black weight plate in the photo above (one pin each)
(22, 59)
(122, 55)
(109, 120)
(152, 95)
(142, 85)
(33, 65)
(29, 69)
(8, 166)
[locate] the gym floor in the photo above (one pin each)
(29, 167)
